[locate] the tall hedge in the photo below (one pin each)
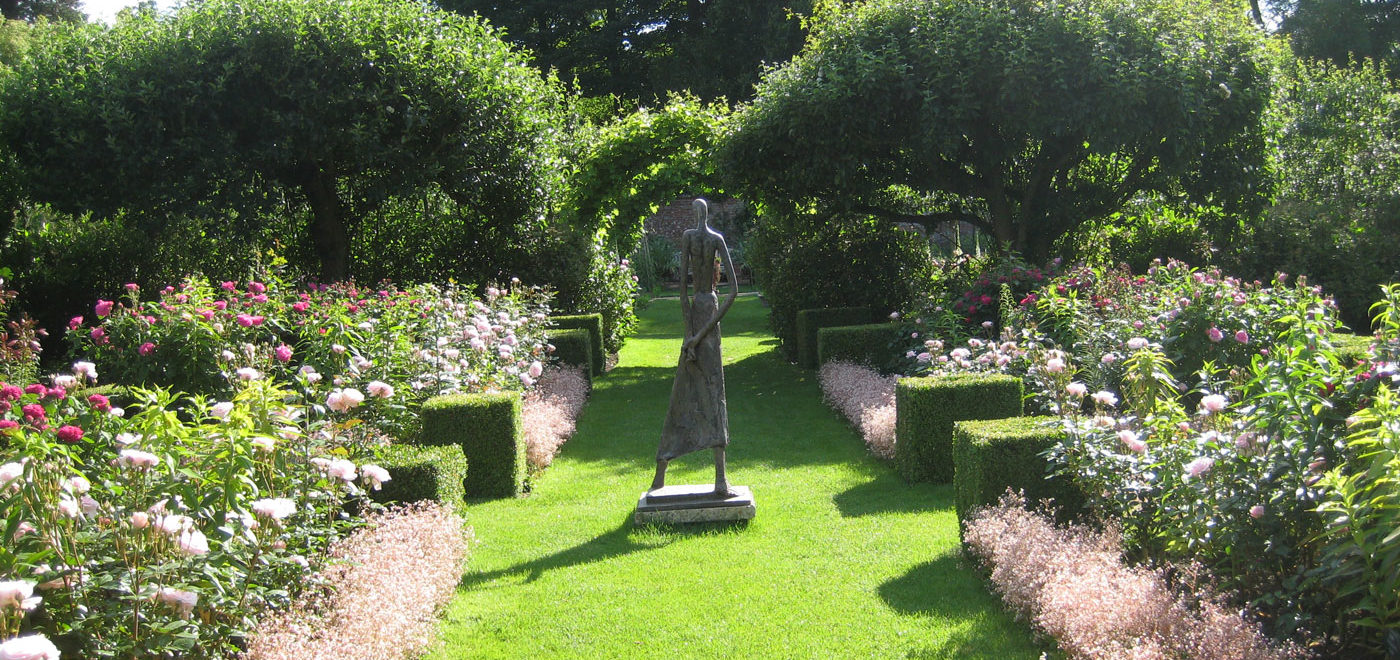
(593, 323)
(992, 455)
(874, 345)
(809, 321)
(574, 346)
(488, 429)
(419, 472)
(926, 408)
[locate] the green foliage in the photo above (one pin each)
(657, 260)
(324, 110)
(1339, 165)
(926, 408)
(589, 278)
(1352, 349)
(488, 429)
(1342, 31)
(422, 473)
(630, 168)
(593, 324)
(1022, 117)
(810, 321)
(875, 345)
(38, 10)
(839, 261)
(574, 347)
(639, 51)
(1146, 230)
(990, 456)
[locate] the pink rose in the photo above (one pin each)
(103, 308)
(1242, 337)
(1215, 334)
(70, 434)
(257, 287)
(283, 353)
(75, 322)
(146, 348)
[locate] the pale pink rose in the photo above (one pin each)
(1105, 398)
(184, 601)
(193, 542)
(222, 409)
(78, 484)
(18, 595)
(248, 373)
(536, 369)
(373, 475)
(1198, 467)
(28, 647)
(1214, 334)
(1055, 365)
(10, 472)
(1242, 337)
(140, 520)
(1256, 511)
(24, 528)
(338, 349)
(1108, 358)
(1076, 389)
(175, 523)
(135, 458)
(276, 508)
(1213, 403)
(341, 469)
(263, 443)
(88, 505)
(69, 506)
(1137, 343)
(380, 389)
(526, 380)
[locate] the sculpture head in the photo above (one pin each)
(702, 213)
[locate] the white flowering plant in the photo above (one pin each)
(168, 527)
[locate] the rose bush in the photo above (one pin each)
(169, 527)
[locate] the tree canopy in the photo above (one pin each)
(638, 50)
(1023, 117)
(327, 109)
(32, 10)
(1343, 30)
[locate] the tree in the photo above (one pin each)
(1022, 117)
(31, 10)
(639, 50)
(271, 106)
(1343, 30)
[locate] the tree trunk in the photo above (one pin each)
(328, 231)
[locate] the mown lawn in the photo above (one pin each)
(843, 559)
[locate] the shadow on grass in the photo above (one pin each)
(949, 587)
(626, 539)
(886, 492)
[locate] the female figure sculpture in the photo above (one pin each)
(698, 418)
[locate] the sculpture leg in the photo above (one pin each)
(660, 480)
(721, 480)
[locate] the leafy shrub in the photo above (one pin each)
(992, 456)
(487, 426)
(657, 260)
(809, 321)
(170, 530)
(435, 473)
(19, 341)
(400, 346)
(809, 262)
(926, 409)
(590, 279)
(980, 300)
(593, 323)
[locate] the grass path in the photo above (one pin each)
(844, 560)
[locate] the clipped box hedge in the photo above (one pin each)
(926, 408)
(593, 323)
(1352, 348)
(573, 346)
(488, 429)
(992, 455)
(874, 345)
(809, 321)
(420, 472)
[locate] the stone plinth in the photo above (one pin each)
(691, 504)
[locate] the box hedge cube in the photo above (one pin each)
(593, 323)
(992, 455)
(926, 408)
(488, 429)
(874, 345)
(809, 321)
(573, 347)
(421, 472)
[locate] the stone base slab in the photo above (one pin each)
(692, 504)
